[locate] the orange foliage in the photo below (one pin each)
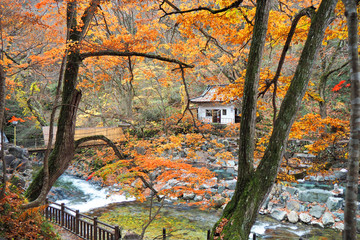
(16, 223)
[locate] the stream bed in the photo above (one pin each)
(181, 222)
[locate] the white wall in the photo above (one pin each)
(228, 118)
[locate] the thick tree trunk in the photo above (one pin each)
(64, 147)
(242, 218)
(253, 186)
(354, 151)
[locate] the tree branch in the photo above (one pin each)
(307, 11)
(137, 54)
(213, 11)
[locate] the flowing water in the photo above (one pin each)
(182, 222)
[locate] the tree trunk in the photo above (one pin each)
(254, 185)
(353, 167)
(64, 147)
(2, 112)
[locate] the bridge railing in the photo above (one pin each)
(81, 225)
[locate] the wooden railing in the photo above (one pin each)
(81, 225)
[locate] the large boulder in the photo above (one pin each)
(293, 217)
(188, 196)
(317, 211)
(18, 152)
(305, 217)
(334, 203)
(278, 214)
(314, 195)
(293, 205)
(328, 219)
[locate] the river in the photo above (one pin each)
(183, 222)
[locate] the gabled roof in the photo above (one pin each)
(211, 94)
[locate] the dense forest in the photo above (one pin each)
(284, 65)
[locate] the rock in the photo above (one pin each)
(293, 191)
(339, 226)
(204, 186)
(293, 217)
(18, 152)
(317, 223)
(230, 184)
(188, 196)
(221, 189)
(278, 214)
(305, 217)
(328, 219)
(231, 163)
(314, 195)
(293, 205)
(9, 159)
(317, 211)
(198, 198)
(340, 216)
(266, 203)
(334, 203)
(218, 201)
(341, 175)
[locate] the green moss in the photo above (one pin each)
(178, 225)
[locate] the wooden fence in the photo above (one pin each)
(86, 227)
(81, 225)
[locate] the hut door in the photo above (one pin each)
(216, 116)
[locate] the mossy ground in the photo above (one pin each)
(179, 224)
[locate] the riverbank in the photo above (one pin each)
(130, 215)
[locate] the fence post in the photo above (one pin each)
(77, 217)
(208, 234)
(62, 214)
(95, 228)
(47, 208)
(254, 236)
(117, 234)
(164, 233)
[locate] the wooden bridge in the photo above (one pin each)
(115, 134)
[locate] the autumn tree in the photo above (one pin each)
(254, 184)
(79, 17)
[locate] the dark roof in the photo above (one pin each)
(211, 94)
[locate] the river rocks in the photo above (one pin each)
(293, 205)
(339, 226)
(317, 211)
(188, 196)
(314, 195)
(334, 203)
(305, 217)
(198, 198)
(278, 214)
(293, 217)
(230, 184)
(16, 159)
(218, 201)
(328, 219)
